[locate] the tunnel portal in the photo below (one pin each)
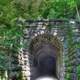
(46, 54)
(47, 42)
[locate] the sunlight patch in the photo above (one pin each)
(46, 78)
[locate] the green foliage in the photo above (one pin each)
(12, 10)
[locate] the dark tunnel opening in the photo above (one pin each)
(45, 59)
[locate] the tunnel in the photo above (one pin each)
(46, 51)
(53, 42)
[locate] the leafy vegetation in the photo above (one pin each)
(13, 12)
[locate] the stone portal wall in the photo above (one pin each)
(58, 29)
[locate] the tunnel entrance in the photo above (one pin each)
(60, 37)
(47, 53)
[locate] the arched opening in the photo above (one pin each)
(47, 51)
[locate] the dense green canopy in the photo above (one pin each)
(12, 10)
